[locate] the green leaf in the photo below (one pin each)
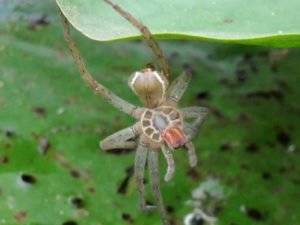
(270, 23)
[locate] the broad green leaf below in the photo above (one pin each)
(271, 23)
(52, 171)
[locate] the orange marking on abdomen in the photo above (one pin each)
(174, 137)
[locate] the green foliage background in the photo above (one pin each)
(246, 142)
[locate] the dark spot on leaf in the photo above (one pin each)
(211, 56)
(254, 214)
(266, 175)
(77, 202)
(250, 63)
(174, 55)
(28, 178)
(169, 209)
(202, 95)
(19, 216)
(75, 173)
(122, 189)
(228, 21)
(277, 190)
(252, 148)
(283, 169)
(283, 138)
(189, 68)
(264, 54)
(224, 81)
(9, 133)
(218, 209)
(4, 159)
(296, 181)
(274, 68)
(244, 166)
(7, 145)
(197, 220)
(216, 112)
(283, 85)
(270, 94)
(253, 68)
(174, 221)
(194, 174)
(38, 22)
(127, 217)
(243, 118)
(271, 144)
(85, 176)
(91, 190)
(247, 57)
(44, 145)
(71, 100)
(40, 111)
(241, 75)
(129, 170)
(226, 147)
(70, 222)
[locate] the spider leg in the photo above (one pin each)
(155, 186)
(120, 138)
(178, 87)
(190, 130)
(89, 80)
(197, 112)
(147, 36)
(139, 170)
(191, 154)
(170, 161)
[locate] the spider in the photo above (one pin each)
(160, 125)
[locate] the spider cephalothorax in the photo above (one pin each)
(160, 125)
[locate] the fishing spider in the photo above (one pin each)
(160, 123)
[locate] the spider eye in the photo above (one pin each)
(149, 85)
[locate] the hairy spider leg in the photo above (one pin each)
(155, 185)
(139, 172)
(170, 161)
(191, 154)
(119, 140)
(177, 88)
(147, 36)
(199, 113)
(108, 95)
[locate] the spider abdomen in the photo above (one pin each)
(163, 124)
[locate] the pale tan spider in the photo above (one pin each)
(160, 123)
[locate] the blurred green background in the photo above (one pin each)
(52, 172)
